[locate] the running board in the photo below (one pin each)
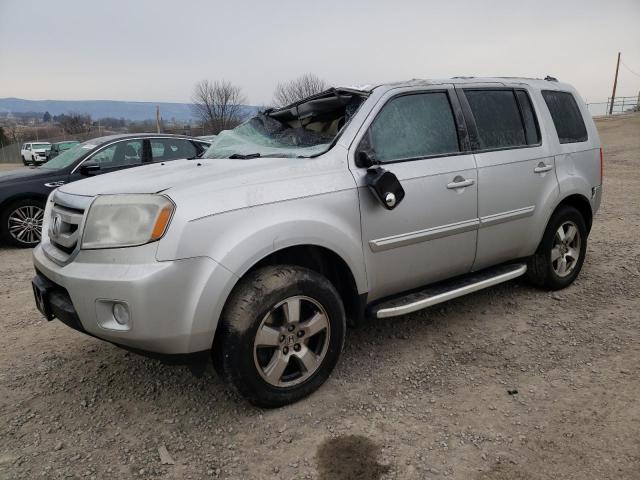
(447, 290)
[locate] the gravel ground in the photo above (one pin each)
(508, 383)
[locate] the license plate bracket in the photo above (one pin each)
(41, 295)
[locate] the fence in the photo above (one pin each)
(10, 153)
(620, 105)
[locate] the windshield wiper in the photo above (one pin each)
(241, 156)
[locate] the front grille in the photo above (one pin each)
(63, 227)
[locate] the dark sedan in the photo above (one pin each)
(23, 193)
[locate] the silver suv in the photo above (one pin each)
(351, 204)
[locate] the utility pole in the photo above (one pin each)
(157, 119)
(615, 84)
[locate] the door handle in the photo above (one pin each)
(460, 182)
(542, 167)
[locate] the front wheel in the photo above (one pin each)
(560, 256)
(21, 223)
(281, 335)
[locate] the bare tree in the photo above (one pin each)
(73, 123)
(218, 104)
(294, 90)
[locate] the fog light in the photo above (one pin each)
(121, 313)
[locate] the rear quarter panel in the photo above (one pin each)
(577, 164)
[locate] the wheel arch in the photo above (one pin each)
(22, 196)
(580, 203)
(326, 262)
(314, 257)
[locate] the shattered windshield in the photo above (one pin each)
(305, 129)
(268, 137)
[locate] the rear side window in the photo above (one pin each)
(497, 118)
(566, 116)
(414, 126)
(165, 149)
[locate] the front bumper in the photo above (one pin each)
(173, 305)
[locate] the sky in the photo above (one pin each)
(157, 50)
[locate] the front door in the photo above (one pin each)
(117, 156)
(419, 136)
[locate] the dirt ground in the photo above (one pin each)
(427, 396)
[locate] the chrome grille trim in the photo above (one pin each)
(77, 202)
(66, 233)
(63, 241)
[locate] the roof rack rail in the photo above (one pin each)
(549, 78)
(463, 77)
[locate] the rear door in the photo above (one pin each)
(516, 177)
(418, 135)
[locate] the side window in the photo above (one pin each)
(497, 118)
(165, 149)
(121, 154)
(414, 126)
(531, 129)
(566, 116)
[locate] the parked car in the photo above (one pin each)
(59, 147)
(350, 204)
(34, 153)
(23, 193)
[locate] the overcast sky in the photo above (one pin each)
(156, 50)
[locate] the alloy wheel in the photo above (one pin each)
(291, 341)
(25, 224)
(565, 251)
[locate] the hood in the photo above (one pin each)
(25, 174)
(216, 185)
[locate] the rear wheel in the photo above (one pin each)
(281, 335)
(21, 223)
(562, 251)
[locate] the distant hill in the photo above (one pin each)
(134, 111)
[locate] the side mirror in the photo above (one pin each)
(365, 159)
(89, 168)
(385, 186)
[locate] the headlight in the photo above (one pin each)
(47, 215)
(126, 220)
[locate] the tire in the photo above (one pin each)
(28, 210)
(24, 160)
(257, 309)
(547, 273)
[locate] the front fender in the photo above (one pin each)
(239, 239)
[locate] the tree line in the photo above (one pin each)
(219, 104)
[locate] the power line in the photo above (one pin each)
(625, 66)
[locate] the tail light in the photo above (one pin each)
(601, 166)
